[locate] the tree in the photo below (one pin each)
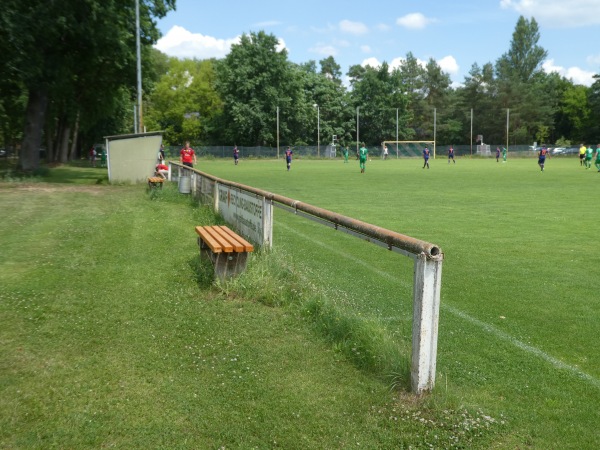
(594, 102)
(253, 80)
(184, 102)
(412, 76)
(521, 81)
(525, 57)
(74, 55)
(379, 94)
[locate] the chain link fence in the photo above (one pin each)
(324, 151)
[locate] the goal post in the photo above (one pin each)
(408, 148)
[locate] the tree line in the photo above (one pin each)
(71, 79)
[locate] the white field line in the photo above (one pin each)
(483, 325)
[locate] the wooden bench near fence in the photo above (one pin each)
(227, 250)
(155, 181)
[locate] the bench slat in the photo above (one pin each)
(224, 243)
(214, 245)
(238, 247)
(248, 247)
(223, 239)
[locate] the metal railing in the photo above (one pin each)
(427, 258)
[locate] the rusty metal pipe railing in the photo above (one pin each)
(389, 237)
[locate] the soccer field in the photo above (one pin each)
(520, 309)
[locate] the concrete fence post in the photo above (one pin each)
(426, 310)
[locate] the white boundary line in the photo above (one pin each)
(458, 313)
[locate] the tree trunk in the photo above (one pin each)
(63, 149)
(29, 157)
(73, 154)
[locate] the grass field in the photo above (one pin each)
(111, 335)
(520, 305)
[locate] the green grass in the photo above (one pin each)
(113, 334)
(520, 304)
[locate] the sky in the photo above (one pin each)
(455, 33)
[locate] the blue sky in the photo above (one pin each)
(456, 33)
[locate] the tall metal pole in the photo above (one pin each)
(471, 132)
(139, 65)
(318, 133)
(278, 132)
(434, 129)
(397, 133)
(135, 128)
(357, 128)
(507, 122)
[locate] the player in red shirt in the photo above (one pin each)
(162, 170)
(187, 156)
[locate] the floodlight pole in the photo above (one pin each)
(434, 129)
(397, 133)
(318, 131)
(139, 65)
(357, 128)
(278, 132)
(507, 123)
(471, 132)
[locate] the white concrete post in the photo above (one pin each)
(267, 222)
(216, 197)
(426, 309)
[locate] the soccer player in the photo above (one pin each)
(598, 157)
(451, 155)
(385, 152)
(542, 157)
(345, 153)
(187, 156)
(161, 170)
(362, 157)
(588, 157)
(426, 157)
(497, 154)
(581, 154)
(504, 152)
(236, 155)
(288, 157)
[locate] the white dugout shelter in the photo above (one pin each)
(132, 158)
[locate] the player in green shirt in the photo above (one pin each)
(588, 157)
(598, 157)
(345, 153)
(362, 157)
(504, 154)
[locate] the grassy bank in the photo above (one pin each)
(114, 335)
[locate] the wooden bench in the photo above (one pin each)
(155, 181)
(227, 250)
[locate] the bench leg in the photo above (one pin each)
(227, 265)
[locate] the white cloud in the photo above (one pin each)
(365, 49)
(357, 28)
(373, 62)
(557, 13)
(383, 27)
(181, 43)
(593, 60)
(449, 64)
(579, 76)
(281, 45)
(414, 21)
(325, 50)
(396, 63)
